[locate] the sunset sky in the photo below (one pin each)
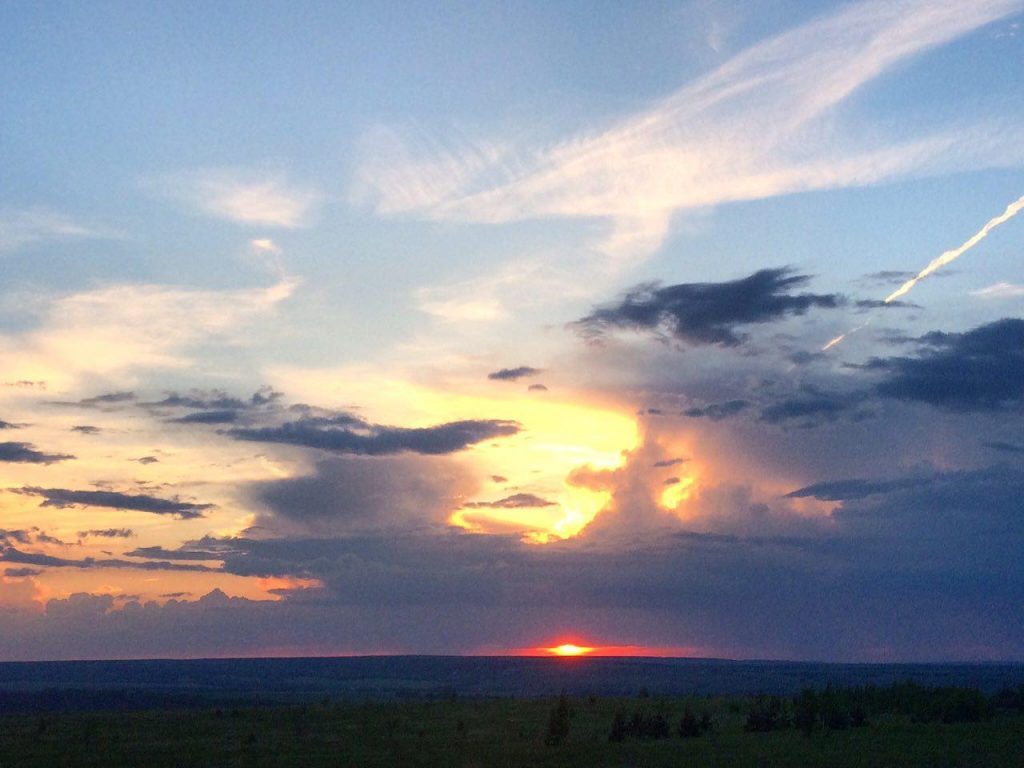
(332, 328)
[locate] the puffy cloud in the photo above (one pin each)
(978, 370)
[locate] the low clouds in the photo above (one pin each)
(979, 370)
(514, 374)
(63, 497)
(708, 313)
(26, 453)
(348, 434)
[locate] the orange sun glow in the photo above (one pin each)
(568, 649)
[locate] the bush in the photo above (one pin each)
(766, 714)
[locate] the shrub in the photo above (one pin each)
(558, 722)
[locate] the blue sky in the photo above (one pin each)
(374, 284)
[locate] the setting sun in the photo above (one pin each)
(568, 649)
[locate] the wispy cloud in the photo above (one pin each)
(21, 228)
(760, 125)
(1000, 291)
(244, 197)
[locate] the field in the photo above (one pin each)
(493, 732)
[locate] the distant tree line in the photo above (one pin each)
(840, 708)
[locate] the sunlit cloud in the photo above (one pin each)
(244, 197)
(129, 327)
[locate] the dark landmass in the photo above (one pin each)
(74, 685)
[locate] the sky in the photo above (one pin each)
(487, 328)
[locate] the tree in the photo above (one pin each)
(558, 722)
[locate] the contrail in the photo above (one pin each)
(1011, 210)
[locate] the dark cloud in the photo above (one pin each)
(669, 462)
(347, 434)
(537, 388)
(717, 411)
(708, 313)
(810, 409)
(26, 453)
(208, 417)
(1000, 445)
(515, 501)
(107, 533)
(979, 370)
(670, 481)
(499, 479)
(352, 493)
(101, 402)
(63, 497)
(159, 553)
(883, 304)
(11, 555)
(841, 490)
(514, 374)
(9, 425)
(175, 595)
(214, 399)
(147, 460)
(86, 429)
(22, 573)
(20, 535)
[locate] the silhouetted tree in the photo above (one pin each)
(558, 722)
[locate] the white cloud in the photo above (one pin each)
(20, 228)
(244, 197)
(1000, 291)
(760, 125)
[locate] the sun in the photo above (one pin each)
(568, 649)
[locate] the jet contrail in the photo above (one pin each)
(1011, 210)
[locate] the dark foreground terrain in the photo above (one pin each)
(899, 725)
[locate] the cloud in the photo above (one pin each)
(12, 555)
(536, 388)
(514, 374)
(107, 401)
(668, 462)
(207, 417)
(9, 425)
(708, 313)
(348, 434)
(717, 411)
(22, 573)
(108, 331)
(245, 197)
(86, 429)
(345, 494)
(1000, 291)
(515, 501)
(842, 490)
(762, 124)
(26, 453)
(811, 408)
(63, 497)
(19, 229)
(107, 533)
(978, 370)
(1005, 447)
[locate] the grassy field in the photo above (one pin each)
(485, 733)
